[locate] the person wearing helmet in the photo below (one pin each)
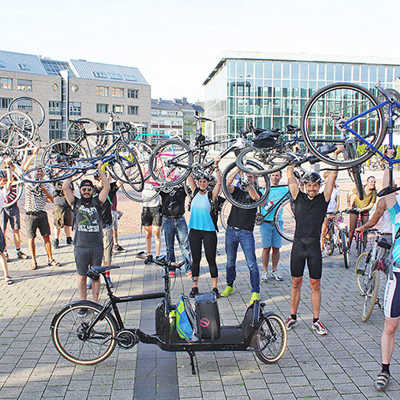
(309, 210)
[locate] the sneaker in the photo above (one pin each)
(148, 259)
(194, 292)
(264, 276)
(89, 284)
(381, 381)
(120, 249)
(254, 296)
(53, 263)
(216, 292)
(69, 240)
(275, 276)
(319, 328)
(22, 255)
(290, 323)
(108, 279)
(82, 312)
(56, 244)
(229, 290)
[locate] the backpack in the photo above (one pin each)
(185, 319)
(216, 206)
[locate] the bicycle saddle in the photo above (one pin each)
(384, 244)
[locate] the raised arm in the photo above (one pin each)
(330, 182)
(191, 183)
(105, 184)
(292, 182)
(68, 193)
(390, 199)
(231, 178)
(217, 187)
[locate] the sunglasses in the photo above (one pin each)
(86, 189)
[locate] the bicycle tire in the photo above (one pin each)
(78, 324)
(49, 173)
(317, 128)
(370, 297)
(364, 267)
(14, 103)
(288, 226)
(68, 147)
(345, 250)
(16, 129)
(354, 172)
(264, 157)
(161, 164)
(271, 339)
(231, 199)
(94, 144)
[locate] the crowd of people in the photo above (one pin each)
(90, 213)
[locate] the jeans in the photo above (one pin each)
(245, 238)
(177, 227)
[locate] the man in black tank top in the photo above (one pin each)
(309, 210)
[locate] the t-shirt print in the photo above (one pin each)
(87, 219)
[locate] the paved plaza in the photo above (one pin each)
(341, 365)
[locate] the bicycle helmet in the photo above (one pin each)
(204, 175)
(312, 177)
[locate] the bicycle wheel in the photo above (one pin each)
(344, 248)
(354, 172)
(16, 129)
(333, 113)
(96, 140)
(270, 160)
(225, 211)
(30, 106)
(53, 151)
(362, 271)
(69, 331)
(171, 162)
(247, 203)
(370, 296)
(48, 174)
(271, 339)
(284, 219)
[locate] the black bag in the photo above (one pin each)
(265, 139)
(207, 317)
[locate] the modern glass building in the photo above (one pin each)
(272, 91)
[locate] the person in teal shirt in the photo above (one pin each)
(270, 237)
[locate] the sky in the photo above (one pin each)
(176, 43)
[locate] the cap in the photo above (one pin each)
(86, 182)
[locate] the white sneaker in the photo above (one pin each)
(264, 276)
(275, 276)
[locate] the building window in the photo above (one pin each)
(55, 131)
(25, 105)
(133, 110)
(117, 92)
(5, 102)
(102, 91)
(113, 75)
(24, 84)
(98, 74)
(54, 107)
(75, 108)
(118, 108)
(5, 83)
(133, 93)
(102, 108)
(24, 67)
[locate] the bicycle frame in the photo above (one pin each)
(279, 202)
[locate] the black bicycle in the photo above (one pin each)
(86, 333)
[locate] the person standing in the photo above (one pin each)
(174, 225)
(3, 259)
(88, 238)
(240, 231)
(203, 228)
(270, 237)
(309, 210)
(62, 214)
(116, 215)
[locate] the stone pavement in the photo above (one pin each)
(341, 365)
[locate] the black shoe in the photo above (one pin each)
(56, 244)
(22, 255)
(120, 249)
(69, 240)
(194, 292)
(216, 292)
(149, 259)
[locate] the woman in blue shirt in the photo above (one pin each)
(202, 229)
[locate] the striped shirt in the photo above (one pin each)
(35, 199)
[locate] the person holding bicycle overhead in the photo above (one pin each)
(309, 211)
(361, 206)
(202, 228)
(88, 239)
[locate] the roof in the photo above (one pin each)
(174, 105)
(302, 57)
(107, 72)
(19, 62)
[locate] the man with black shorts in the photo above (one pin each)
(88, 239)
(309, 209)
(62, 214)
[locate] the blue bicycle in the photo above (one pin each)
(344, 113)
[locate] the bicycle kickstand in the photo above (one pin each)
(192, 356)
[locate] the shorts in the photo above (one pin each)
(306, 250)
(62, 216)
(2, 242)
(37, 221)
(14, 218)
(391, 303)
(86, 257)
(151, 216)
(363, 213)
(114, 214)
(108, 243)
(270, 236)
